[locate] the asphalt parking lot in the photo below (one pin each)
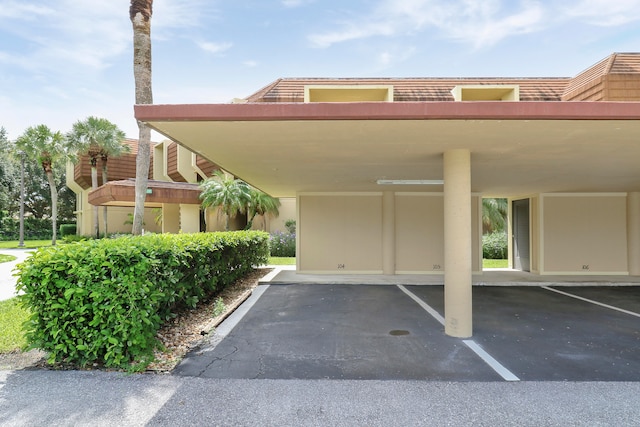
(389, 332)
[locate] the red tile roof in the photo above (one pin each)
(413, 89)
(439, 89)
(625, 63)
(587, 85)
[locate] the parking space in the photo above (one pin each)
(338, 332)
(541, 335)
(312, 331)
(621, 298)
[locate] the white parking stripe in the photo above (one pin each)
(423, 304)
(486, 357)
(592, 301)
(506, 374)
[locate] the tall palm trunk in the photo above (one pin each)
(140, 14)
(54, 202)
(105, 178)
(94, 208)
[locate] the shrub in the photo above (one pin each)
(494, 245)
(9, 228)
(282, 244)
(290, 225)
(34, 228)
(103, 301)
(67, 230)
(72, 238)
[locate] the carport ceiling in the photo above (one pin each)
(288, 148)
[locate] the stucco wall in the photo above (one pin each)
(584, 233)
(217, 221)
(419, 233)
(116, 215)
(287, 212)
(340, 233)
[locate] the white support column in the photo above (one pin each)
(388, 233)
(633, 233)
(457, 244)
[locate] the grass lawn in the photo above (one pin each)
(12, 316)
(13, 244)
(6, 258)
(274, 260)
(495, 263)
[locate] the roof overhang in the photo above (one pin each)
(122, 193)
(517, 147)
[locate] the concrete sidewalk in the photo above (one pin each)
(489, 277)
(7, 279)
(65, 398)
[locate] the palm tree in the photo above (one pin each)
(494, 215)
(231, 195)
(47, 147)
(261, 204)
(94, 137)
(140, 14)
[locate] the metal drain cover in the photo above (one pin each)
(398, 332)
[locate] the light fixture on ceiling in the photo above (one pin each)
(410, 182)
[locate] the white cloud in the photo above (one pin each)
(477, 23)
(384, 58)
(57, 92)
(180, 14)
(65, 59)
(291, 3)
(14, 60)
(250, 63)
(22, 10)
(392, 56)
(295, 3)
(76, 35)
(487, 27)
(69, 33)
(214, 48)
(353, 31)
(604, 12)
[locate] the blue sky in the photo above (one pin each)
(64, 60)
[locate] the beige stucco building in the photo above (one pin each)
(389, 174)
(172, 204)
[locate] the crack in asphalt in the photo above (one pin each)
(217, 359)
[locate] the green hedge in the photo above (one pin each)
(34, 228)
(494, 245)
(67, 230)
(103, 301)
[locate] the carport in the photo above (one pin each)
(371, 153)
(391, 328)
